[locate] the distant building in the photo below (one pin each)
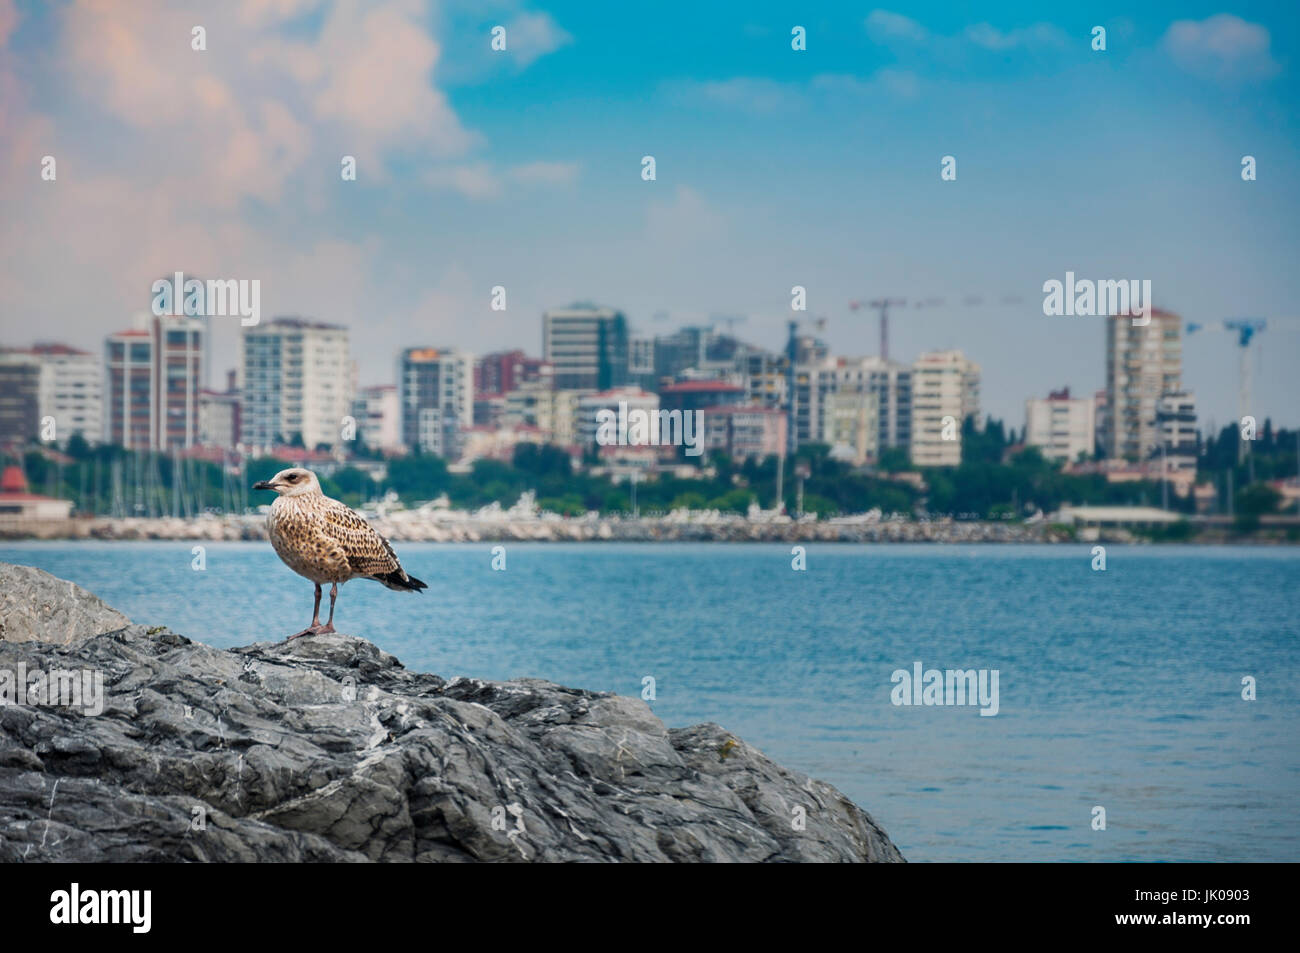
(765, 377)
(504, 371)
(20, 397)
(676, 353)
(851, 425)
(296, 381)
(696, 395)
(1100, 408)
(587, 345)
(532, 405)
(1142, 365)
(809, 354)
(944, 385)
(18, 506)
(377, 411)
(219, 413)
(436, 393)
(744, 431)
(590, 405)
(641, 362)
(889, 381)
(69, 388)
(564, 417)
(1061, 426)
(489, 410)
(1176, 429)
(153, 376)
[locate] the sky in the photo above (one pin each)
(775, 167)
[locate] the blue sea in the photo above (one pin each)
(1119, 689)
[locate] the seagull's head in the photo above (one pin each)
(292, 482)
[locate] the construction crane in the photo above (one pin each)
(882, 306)
(730, 320)
(1245, 329)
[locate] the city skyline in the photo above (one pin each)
(522, 170)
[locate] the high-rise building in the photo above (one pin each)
(69, 388)
(436, 392)
(765, 378)
(641, 362)
(1143, 363)
(945, 391)
(296, 379)
(504, 371)
(20, 389)
(587, 345)
(889, 381)
(680, 351)
(1061, 426)
(152, 381)
(377, 411)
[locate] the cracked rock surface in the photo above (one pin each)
(327, 749)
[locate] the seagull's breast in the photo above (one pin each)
(298, 534)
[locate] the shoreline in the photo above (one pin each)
(408, 526)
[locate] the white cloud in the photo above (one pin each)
(894, 29)
(749, 94)
(181, 140)
(1223, 47)
(530, 36)
(1037, 36)
(902, 84)
(883, 25)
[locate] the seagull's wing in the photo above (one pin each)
(368, 553)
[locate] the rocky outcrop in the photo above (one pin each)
(327, 749)
(38, 607)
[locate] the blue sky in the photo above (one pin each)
(775, 168)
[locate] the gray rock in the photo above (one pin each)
(327, 749)
(38, 607)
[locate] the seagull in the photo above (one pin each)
(327, 541)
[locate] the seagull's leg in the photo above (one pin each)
(329, 623)
(315, 617)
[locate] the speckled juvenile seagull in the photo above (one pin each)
(326, 541)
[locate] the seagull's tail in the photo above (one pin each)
(400, 581)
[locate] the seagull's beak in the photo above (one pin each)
(264, 485)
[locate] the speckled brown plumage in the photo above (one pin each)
(325, 541)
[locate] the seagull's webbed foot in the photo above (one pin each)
(316, 629)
